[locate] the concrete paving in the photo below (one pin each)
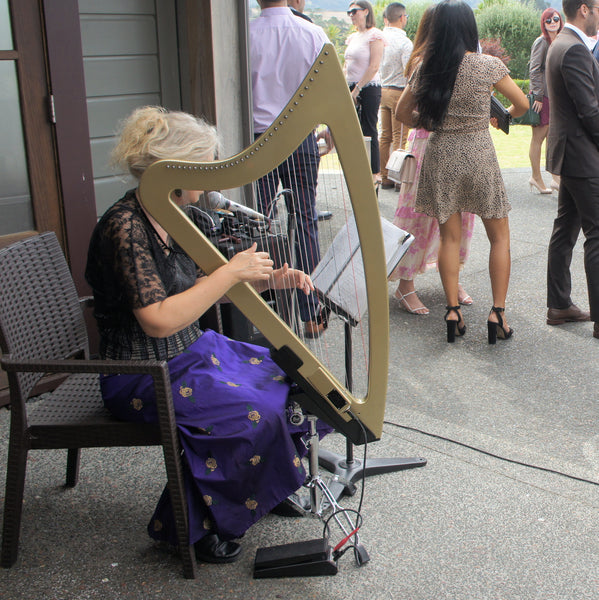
(506, 509)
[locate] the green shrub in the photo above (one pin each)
(517, 25)
(523, 84)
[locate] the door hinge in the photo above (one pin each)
(51, 110)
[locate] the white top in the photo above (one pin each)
(589, 41)
(282, 50)
(357, 54)
(395, 57)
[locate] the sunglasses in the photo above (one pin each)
(353, 11)
(555, 19)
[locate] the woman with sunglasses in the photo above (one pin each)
(551, 25)
(363, 57)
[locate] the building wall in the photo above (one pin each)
(130, 59)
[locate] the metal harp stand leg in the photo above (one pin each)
(347, 470)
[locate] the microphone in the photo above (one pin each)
(216, 200)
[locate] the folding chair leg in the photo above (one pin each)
(13, 503)
(73, 467)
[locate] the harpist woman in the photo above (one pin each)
(241, 458)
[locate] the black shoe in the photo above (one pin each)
(388, 186)
(324, 215)
(453, 327)
(497, 330)
(212, 549)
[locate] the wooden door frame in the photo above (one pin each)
(29, 56)
(48, 56)
(73, 152)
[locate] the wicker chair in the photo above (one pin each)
(42, 331)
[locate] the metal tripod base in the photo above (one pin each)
(346, 472)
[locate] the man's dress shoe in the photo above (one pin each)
(212, 549)
(324, 215)
(558, 316)
(313, 329)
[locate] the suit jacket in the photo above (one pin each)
(572, 76)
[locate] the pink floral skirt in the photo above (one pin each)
(422, 254)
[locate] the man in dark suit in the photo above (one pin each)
(572, 76)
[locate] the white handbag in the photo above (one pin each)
(401, 166)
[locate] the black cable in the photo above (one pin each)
(487, 453)
(364, 459)
(359, 519)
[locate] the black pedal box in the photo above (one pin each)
(299, 559)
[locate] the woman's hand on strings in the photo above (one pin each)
(286, 278)
(251, 265)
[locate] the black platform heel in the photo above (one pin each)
(496, 330)
(453, 327)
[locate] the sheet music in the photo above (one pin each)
(339, 276)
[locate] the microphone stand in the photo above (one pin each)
(347, 469)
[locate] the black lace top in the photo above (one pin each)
(129, 266)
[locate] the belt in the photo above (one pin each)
(393, 87)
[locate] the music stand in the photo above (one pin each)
(332, 277)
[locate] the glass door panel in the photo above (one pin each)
(15, 200)
(5, 32)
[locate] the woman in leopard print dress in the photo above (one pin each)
(449, 95)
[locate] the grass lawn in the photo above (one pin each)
(512, 149)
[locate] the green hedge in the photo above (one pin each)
(523, 84)
(516, 24)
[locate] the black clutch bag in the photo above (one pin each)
(501, 114)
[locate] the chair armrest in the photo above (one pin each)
(23, 365)
(86, 302)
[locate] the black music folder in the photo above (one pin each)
(501, 113)
(339, 276)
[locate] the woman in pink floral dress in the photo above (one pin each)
(422, 254)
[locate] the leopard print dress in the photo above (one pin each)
(460, 172)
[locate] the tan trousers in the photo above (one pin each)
(393, 135)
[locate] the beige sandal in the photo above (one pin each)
(463, 297)
(421, 310)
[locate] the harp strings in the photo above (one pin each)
(321, 98)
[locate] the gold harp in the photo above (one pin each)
(322, 98)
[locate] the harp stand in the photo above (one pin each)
(316, 556)
(347, 470)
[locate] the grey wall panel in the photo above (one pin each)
(121, 76)
(101, 149)
(131, 7)
(106, 113)
(109, 190)
(131, 59)
(118, 35)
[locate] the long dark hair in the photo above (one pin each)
(453, 33)
(420, 39)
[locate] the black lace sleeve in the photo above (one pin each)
(135, 261)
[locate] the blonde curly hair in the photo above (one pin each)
(152, 133)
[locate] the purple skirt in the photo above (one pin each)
(544, 114)
(241, 456)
